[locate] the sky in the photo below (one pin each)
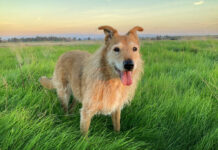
(33, 17)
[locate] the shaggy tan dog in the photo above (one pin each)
(104, 81)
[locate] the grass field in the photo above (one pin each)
(175, 106)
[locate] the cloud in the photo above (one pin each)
(199, 3)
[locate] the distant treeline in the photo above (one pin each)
(42, 38)
(68, 39)
(53, 38)
(159, 37)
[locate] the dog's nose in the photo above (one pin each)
(128, 64)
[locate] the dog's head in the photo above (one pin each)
(122, 52)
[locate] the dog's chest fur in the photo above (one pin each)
(109, 95)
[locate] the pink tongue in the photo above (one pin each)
(126, 78)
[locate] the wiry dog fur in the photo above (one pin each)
(94, 80)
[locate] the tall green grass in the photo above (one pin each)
(175, 106)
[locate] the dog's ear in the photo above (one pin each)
(109, 32)
(132, 32)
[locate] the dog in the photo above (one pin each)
(104, 81)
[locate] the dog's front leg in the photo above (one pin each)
(116, 119)
(85, 120)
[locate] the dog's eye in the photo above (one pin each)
(134, 49)
(116, 49)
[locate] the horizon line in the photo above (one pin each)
(97, 34)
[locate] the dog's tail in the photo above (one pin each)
(46, 82)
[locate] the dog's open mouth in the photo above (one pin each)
(125, 76)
